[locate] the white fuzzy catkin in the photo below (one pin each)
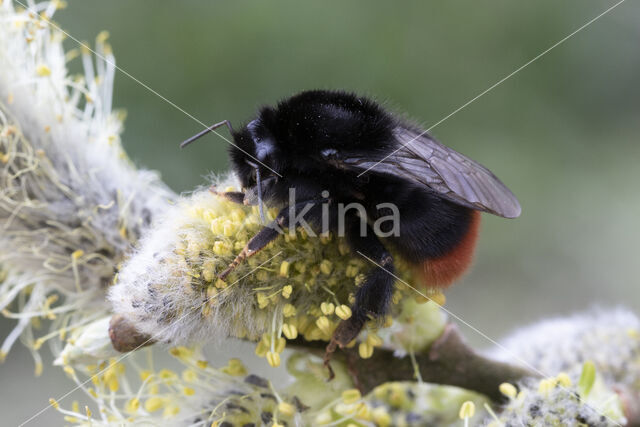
(608, 338)
(580, 399)
(298, 285)
(71, 202)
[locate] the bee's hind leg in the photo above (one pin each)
(373, 296)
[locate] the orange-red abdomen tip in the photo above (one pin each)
(443, 271)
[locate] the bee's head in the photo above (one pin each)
(253, 154)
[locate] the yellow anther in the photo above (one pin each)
(181, 352)
(113, 384)
(235, 367)
(262, 299)
(59, 4)
(365, 350)
(280, 345)
(188, 391)
(290, 331)
(132, 405)
(284, 268)
(381, 417)
(421, 299)
(217, 227)
(54, 403)
(273, 358)
(343, 311)
(87, 411)
(363, 412)
(261, 349)
(221, 248)
(351, 395)
(266, 339)
(374, 340)
(153, 404)
(289, 310)
(287, 409)
(324, 324)
(38, 343)
(388, 321)
(50, 300)
(546, 386)
(145, 374)
(508, 390)
(167, 375)
(563, 380)
(212, 291)
(238, 216)
(467, 410)
(286, 291)
(326, 266)
(102, 36)
(229, 228)
(42, 70)
(327, 308)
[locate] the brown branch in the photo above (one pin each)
(448, 361)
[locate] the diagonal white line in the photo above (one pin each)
(496, 84)
(485, 336)
(121, 358)
(173, 104)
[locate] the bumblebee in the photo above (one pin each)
(344, 156)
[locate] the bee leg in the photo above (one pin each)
(253, 246)
(232, 196)
(271, 231)
(373, 296)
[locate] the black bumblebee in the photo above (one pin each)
(336, 148)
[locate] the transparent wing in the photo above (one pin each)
(456, 177)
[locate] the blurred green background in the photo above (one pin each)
(563, 133)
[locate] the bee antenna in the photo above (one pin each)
(206, 131)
